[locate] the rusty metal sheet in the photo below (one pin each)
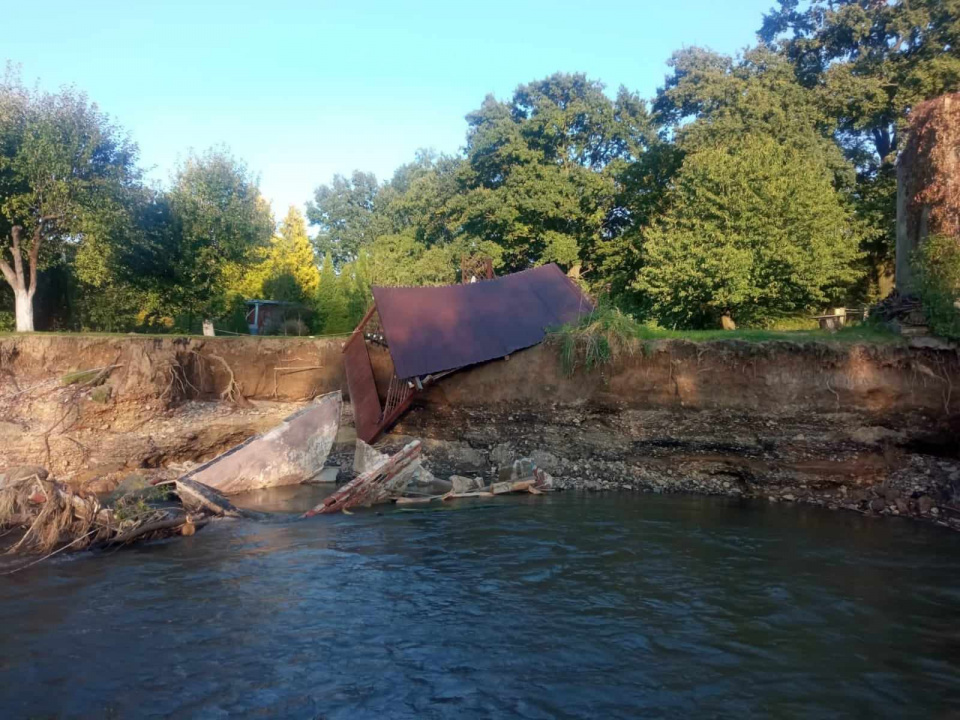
(432, 329)
(362, 387)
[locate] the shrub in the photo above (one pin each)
(937, 271)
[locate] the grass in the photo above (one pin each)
(607, 333)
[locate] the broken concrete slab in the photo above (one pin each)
(461, 484)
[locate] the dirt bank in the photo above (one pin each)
(871, 428)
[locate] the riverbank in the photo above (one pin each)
(866, 427)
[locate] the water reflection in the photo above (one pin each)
(564, 605)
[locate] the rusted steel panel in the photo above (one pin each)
(363, 388)
(432, 329)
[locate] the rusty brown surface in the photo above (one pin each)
(363, 388)
(432, 329)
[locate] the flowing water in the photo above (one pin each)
(537, 607)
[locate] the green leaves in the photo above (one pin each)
(755, 229)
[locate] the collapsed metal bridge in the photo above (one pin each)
(433, 331)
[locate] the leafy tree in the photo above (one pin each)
(712, 99)
(755, 230)
(540, 179)
(402, 260)
(871, 62)
(343, 213)
(66, 172)
(219, 220)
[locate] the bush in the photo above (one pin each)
(937, 271)
(8, 321)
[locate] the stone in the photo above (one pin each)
(545, 460)
(366, 457)
(789, 497)
(878, 505)
(502, 454)
(902, 505)
(461, 484)
(924, 504)
(891, 494)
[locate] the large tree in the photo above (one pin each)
(541, 173)
(755, 230)
(66, 172)
(343, 213)
(870, 62)
(219, 221)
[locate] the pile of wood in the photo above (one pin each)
(383, 482)
(386, 479)
(38, 514)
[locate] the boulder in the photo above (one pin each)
(502, 455)
(461, 484)
(925, 504)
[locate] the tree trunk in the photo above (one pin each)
(24, 303)
(24, 285)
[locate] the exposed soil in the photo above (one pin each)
(869, 428)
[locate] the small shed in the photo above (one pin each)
(434, 331)
(265, 314)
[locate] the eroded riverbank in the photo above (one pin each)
(868, 428)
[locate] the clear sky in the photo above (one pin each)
(302, 90)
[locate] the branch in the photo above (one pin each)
(34, 259)
(8, 273)
(17, 260)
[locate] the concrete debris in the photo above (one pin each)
(461, 484)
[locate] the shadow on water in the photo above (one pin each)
(558, 606)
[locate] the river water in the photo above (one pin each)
(564, 605)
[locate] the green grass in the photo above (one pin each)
(607, 333)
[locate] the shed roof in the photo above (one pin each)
(432, 329)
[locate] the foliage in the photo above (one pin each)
(755, 230)
(541, 174)
(219, 221)
(937, 277)
(870, 64)
(344, 215)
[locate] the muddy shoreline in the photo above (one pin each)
(873, 429)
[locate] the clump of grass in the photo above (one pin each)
(597, 339)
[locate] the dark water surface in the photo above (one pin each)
(537, 607)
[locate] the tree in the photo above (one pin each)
(65, 173)
(870, 62)
(755, 230)
(219, 221)
(343, 213)
(541, 173)
(712, 99)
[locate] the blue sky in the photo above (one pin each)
(302, 90)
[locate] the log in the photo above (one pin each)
(475, 494)
(206, 498)
(377, 485)
(418, 500)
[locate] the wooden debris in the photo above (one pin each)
(381, 483)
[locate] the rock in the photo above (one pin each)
(499, 488)
(455, 455)
(547, 461)
(891, 494)
(789, 497)
(902, 505)
(924, 504)
(366, 457)
(502, 455)
(461, 484)
(523, 469)
(878, 505)
(873, 434)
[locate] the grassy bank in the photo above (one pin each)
(607, 333)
